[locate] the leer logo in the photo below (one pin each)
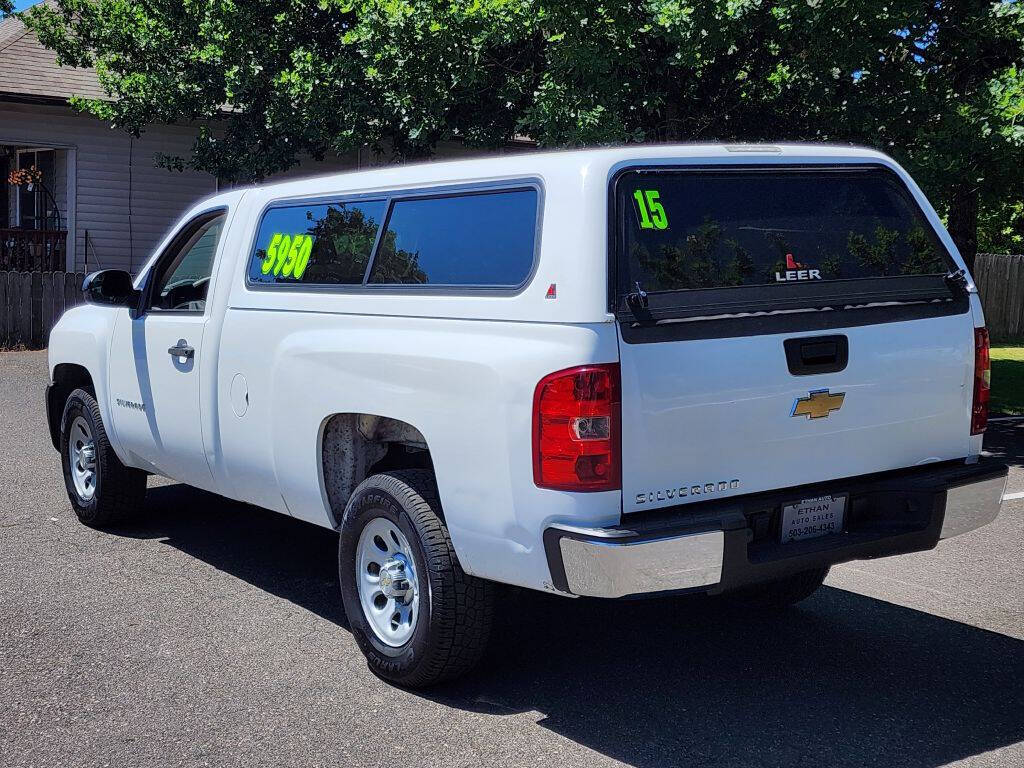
(818, 404)
(796, 271)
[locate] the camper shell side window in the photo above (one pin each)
(482, 238)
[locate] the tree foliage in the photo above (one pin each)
(939, 84)
(1001, 227)
(270, 81)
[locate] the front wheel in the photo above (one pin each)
(417, 617)
(102, 490)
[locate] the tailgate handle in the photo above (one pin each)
(817, 354)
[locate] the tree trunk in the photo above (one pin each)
(963, 222)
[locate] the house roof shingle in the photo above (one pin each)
(30, 70)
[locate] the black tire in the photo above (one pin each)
(119, 490)
(454, 622)
(794, 588)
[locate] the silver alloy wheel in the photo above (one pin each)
(82, 458)
(386, 579)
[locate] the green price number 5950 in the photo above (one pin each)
(287, 255)
(652, 213)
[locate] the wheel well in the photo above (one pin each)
(67, 377)
(357, 445)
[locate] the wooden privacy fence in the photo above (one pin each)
(1000, 281)
(32, 302)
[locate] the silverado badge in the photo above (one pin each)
(818, 404)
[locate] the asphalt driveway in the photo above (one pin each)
(208, 632)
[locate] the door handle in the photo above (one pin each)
(182, 349)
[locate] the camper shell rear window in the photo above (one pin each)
(708, 241)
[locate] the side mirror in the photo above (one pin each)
(112, 287)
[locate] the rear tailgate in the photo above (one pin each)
(780, 327)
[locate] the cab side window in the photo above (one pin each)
(183, 272)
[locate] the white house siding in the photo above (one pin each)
(122, 199)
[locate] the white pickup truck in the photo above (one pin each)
(610, 373)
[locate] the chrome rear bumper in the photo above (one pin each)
(723, 546)
(611, 568)
(972, 505)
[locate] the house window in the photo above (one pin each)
(35, 208)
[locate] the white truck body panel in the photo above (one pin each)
(166, 440)
(272, 454)
(82, 338)
(245, 419)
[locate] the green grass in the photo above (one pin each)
(1008, 379)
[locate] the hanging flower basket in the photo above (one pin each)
(25, 177)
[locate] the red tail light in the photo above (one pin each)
(982, 382)
(576, 442)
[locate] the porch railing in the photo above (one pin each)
(33, 250)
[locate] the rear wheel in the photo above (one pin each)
(794, 588)
(417, 617)
(102, 490)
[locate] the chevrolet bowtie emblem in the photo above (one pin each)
(818, 404)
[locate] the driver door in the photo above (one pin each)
(155, 359)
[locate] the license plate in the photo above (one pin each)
(810, 518)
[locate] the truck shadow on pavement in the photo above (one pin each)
(839, 680)
(1004, 440)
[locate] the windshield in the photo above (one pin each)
(697, 229)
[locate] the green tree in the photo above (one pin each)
(1001, 228)
(269, 82)
(939, 84)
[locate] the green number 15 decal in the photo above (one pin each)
(652, 213)
(287, 255)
